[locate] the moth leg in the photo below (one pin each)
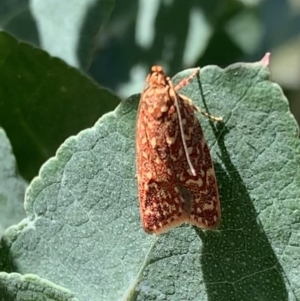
(187, 80)
(197, 109)
(207, 115)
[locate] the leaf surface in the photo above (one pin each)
(16, 287)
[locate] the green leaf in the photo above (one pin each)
(43, 101)
(83, 230)
(15, 287)
(12, 187)
(68, 29)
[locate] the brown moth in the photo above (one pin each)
(176, 178)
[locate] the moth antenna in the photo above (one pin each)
(181, 129)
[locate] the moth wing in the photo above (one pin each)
(161, 207)
(161, 203)
(200, 191)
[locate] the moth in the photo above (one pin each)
(175, 173)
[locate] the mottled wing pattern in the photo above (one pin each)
(160, 203)
(205, 206)
(169, 193)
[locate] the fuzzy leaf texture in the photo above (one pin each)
(84, 233)
(15, 287)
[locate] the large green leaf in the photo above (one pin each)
(43, 101)
(83, 230)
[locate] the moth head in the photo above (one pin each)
(157, 77)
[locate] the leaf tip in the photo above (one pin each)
(265, 61)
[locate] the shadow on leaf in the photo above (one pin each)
(238, 261)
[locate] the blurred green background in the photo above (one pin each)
(177, 34)
(116, 42)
